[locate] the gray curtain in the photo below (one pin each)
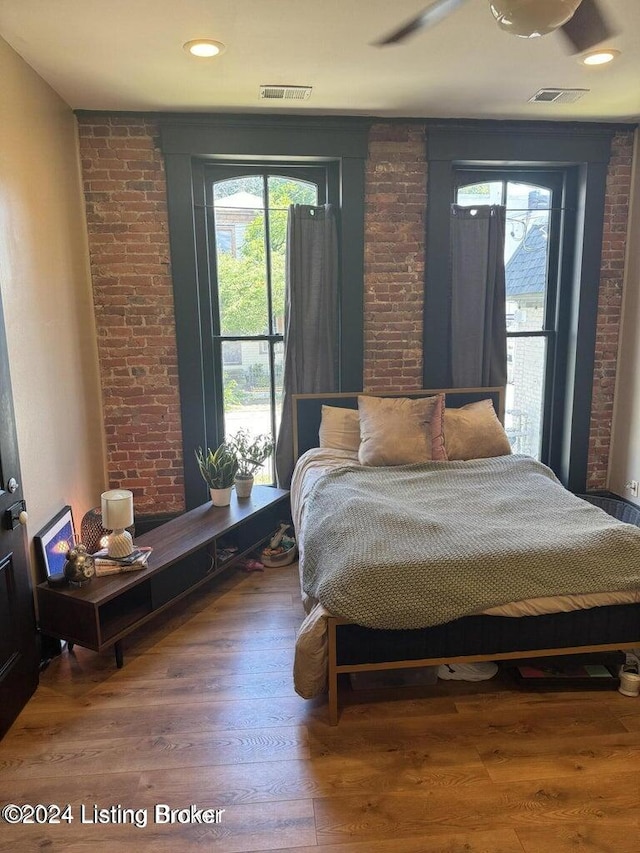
(478, 321)
(311, 317)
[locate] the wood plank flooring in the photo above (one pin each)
(204, 713)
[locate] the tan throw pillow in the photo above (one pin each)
(340, 429)
(474, 432)
(400, 431)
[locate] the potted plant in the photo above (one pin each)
(251, 451)
(218, 469)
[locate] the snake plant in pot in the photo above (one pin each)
(252, 451)
(218, 469)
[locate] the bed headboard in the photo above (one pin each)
(307, 408)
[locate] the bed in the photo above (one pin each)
(445, 591)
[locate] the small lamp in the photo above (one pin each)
(117, 513)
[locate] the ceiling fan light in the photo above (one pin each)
(532, 18)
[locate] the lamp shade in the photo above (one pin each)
(117, 509)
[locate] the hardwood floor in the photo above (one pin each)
(204, 713)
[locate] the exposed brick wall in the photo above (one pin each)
(125, 195)
(396, 196)
(614, 245)
(128, 239)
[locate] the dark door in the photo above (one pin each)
(18, 641)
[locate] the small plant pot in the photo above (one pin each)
(221, 497)
(244, 486)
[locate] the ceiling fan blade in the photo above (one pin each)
(587, 27)
(433, 14)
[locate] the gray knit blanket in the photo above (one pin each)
(419, 545)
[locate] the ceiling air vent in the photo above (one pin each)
(558, 96)
(285, 93)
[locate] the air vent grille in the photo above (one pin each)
(558, 96)
(285, 93)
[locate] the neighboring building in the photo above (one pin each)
(526, 276)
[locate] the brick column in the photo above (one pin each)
(395, 204)
(125, 195)
(614, 244)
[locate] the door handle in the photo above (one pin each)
(15, 514)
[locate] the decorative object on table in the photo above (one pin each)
(218, 469)
(92, 533)
(91, 530)
(117, 515)
(79, 567)
(281, 550)
(251, 451)
(52, 544)
(106, 565)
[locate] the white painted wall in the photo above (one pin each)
(46, 292)
(624, 460)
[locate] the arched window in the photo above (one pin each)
(248, 210)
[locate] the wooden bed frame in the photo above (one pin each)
(335, 670)
(307, 415)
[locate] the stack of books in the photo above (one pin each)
(106, 565)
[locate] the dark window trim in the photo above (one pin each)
(189, 144)
(583, 151)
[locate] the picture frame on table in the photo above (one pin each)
(53, 542)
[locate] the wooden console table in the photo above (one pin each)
(186, 554)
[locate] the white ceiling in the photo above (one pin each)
(127, 55)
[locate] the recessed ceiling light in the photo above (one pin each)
(204, 47)
(600, 57)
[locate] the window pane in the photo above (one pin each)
(484, 193)
(285, 191)
(526, 358)
(526, 254)
(240, 256)
(232, 352)
(240, 192)
(278, 245)
(247, 397)
(278, 361)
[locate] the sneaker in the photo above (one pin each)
(631, 664)
(467, 671)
